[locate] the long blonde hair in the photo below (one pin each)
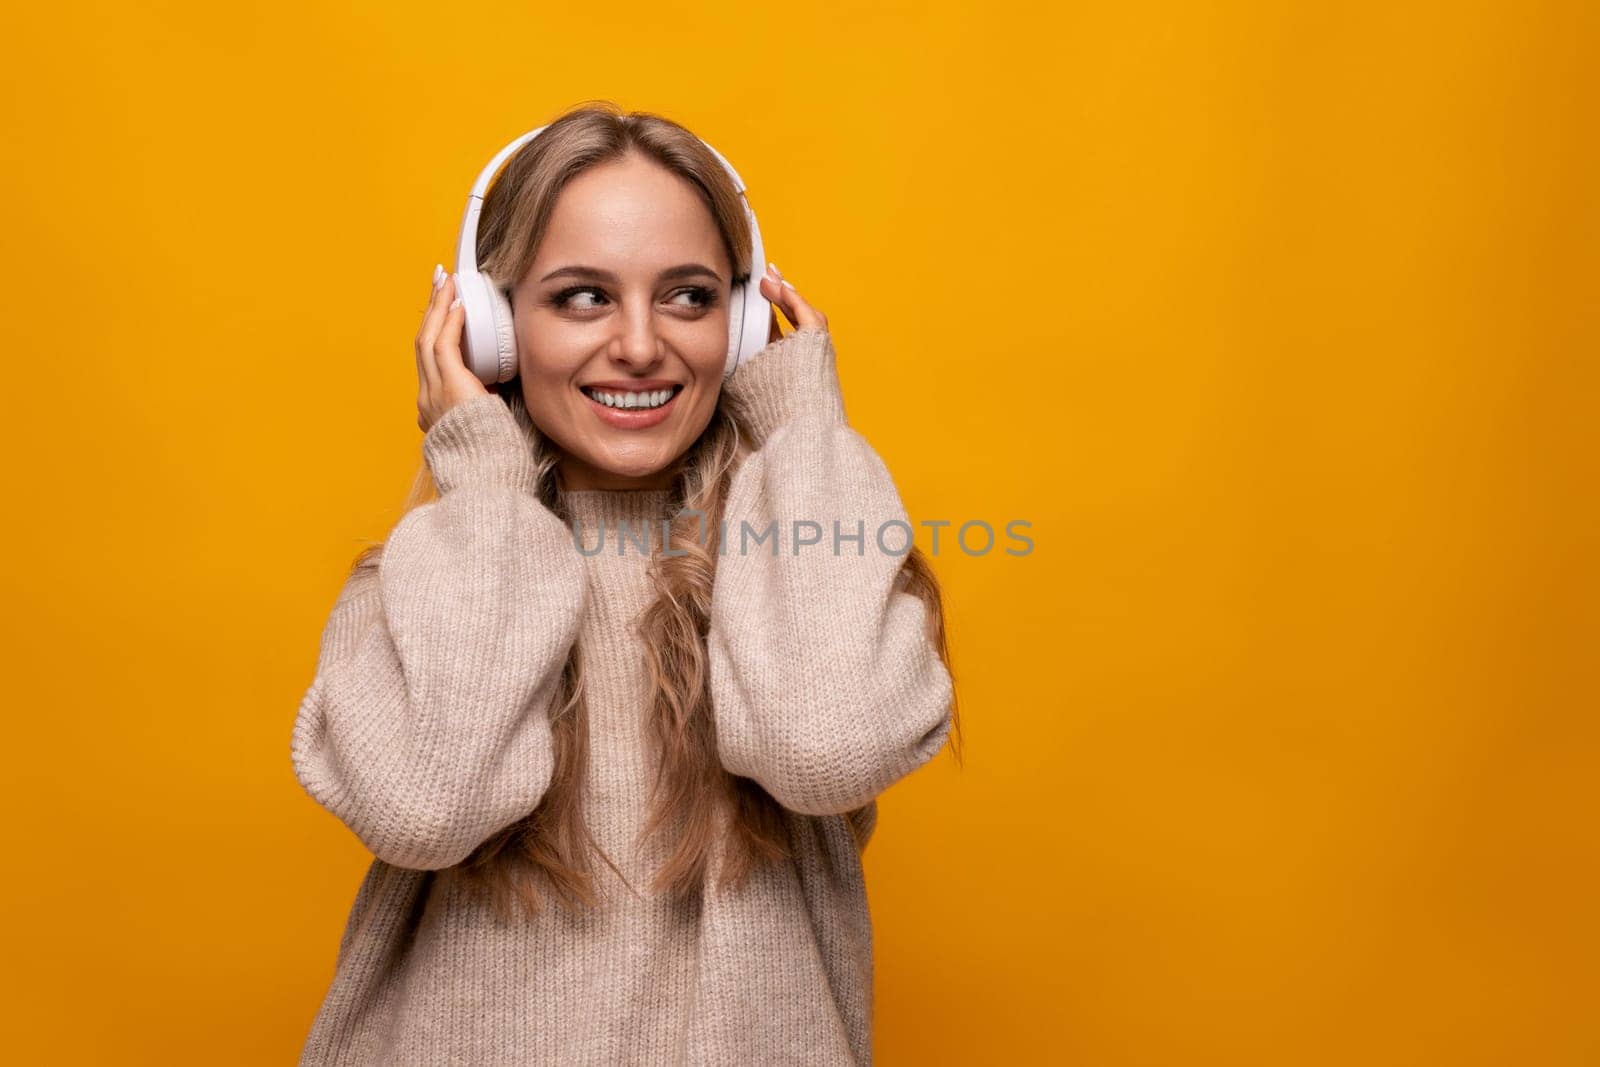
(552, 844)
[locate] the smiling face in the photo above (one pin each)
(622, 325)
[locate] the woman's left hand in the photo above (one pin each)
(785, 298)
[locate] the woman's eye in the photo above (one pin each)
(701, 296)
(564, 298)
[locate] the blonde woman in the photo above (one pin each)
(616, 787)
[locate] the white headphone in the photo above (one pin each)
(488, 336)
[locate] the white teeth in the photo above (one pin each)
(632, 400)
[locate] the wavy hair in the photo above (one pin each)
(552, 846)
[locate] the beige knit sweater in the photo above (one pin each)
(425, 730)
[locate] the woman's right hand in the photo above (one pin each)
(443, 380)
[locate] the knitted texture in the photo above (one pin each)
(425, 730)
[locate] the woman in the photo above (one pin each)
(514, 685)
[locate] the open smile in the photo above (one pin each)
(632, 408)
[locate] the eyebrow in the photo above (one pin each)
(682, 270)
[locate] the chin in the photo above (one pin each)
(631, 466)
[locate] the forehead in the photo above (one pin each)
(630, 215)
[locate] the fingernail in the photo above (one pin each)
(776, 273)
(455, 303)
(438, 275)
(790, 285)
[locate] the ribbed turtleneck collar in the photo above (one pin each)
(641, 509)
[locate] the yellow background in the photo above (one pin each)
(1277, 322)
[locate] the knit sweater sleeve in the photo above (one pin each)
(826, 686)
(425, 729)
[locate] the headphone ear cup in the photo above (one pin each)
(505, 333)
(484, 340)
(735, 329)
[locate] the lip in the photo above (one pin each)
(624, 419)
(630, 385)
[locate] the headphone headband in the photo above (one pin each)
(467, 246)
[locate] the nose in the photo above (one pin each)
(636, 346)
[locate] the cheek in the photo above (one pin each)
(549, 395)
(539, 349)
(705, 406)
(710, 358)
(545, 361)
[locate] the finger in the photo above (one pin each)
(432, 325)
(794, 306)
(416, 342)
(453, 370)
(436, 303)
(427, 371)
(775, 293)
